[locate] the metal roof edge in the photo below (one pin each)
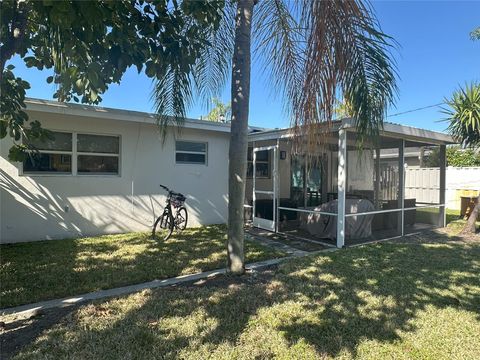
(48, 106)
(407, 132)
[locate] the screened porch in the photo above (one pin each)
(340, 194)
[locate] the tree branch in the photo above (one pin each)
(16, 35)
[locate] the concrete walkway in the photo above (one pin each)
(291, 251)
(29, 309)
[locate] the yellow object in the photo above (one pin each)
(469, 193)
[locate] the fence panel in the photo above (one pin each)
(423, 184)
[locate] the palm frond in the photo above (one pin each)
(463, 113)
(174, 91)
(214, 65)
(279, 44)
(172, 94)
(346, 53)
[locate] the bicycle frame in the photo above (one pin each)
(168, 219)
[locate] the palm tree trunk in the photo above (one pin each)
(470, 227)
(237, 168)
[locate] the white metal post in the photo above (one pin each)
(443, 172)
(277, 184)
(254, 175)
(377, 178)
(274, 178)
(342, 179)
(401, 186)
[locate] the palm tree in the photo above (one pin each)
(313, 51)
(464, 116)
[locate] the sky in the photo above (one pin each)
(434, 58)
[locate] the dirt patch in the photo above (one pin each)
(17, 333)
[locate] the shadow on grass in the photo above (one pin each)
(51, 269)
(329, 303)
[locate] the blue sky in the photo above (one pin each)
(435, 57)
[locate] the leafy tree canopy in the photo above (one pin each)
(456, 156)
(90, 44)
(220, 111)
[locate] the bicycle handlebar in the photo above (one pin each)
(164, 187)
(170, 191)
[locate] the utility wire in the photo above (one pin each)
(413, 110)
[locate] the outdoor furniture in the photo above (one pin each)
(264, 208)
(325, 226)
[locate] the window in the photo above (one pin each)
(188, 152)
(262, 164)
(92, 155)
(97, 154)
(53, 156)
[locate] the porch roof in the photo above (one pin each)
(389, 129)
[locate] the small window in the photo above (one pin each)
(51, 156)
(98, 154)
(188, 152)
(262, 165)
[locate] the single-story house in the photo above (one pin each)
(102, 174)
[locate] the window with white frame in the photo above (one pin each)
(52, 156)
(191, 152)
(262, 164)
(97, 154)
(74, 153)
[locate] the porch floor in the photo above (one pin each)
(301, 239)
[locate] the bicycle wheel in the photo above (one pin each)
(163, 226)
(181, 218)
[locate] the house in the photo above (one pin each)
(102, 175)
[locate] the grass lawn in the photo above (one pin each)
(398, 300)
(35, 271)
(455, 223)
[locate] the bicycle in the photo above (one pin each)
(168, 220)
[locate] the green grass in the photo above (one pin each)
(44, 270)
(382, 301)
(430, 215)
(455, 223)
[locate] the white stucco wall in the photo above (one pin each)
(62, 206)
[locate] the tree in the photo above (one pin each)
(89, 45)
(343, 109)
(459, 157)
(475, 34)
(312, 51)
(456, 156)
(220, 111)
(463, 113)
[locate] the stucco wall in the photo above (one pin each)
(61, 206)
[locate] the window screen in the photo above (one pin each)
(189, 152)
(97, 154)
